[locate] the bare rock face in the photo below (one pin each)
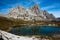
(17, 11)
(48, 16)
(37, 11)
(52, 16)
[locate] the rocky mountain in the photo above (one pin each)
(58, 19)
(37, 11)
(34, 13)
(22, 13)
(48, 16)
(42, 14)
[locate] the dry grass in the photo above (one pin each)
(6, 23)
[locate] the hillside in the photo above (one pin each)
(8, 23)
(5, 23)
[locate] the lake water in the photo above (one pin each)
(35, 30)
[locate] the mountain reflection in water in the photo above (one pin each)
(35, 30)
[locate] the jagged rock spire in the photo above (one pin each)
(35, 6)
(18, 7)
(37, 11)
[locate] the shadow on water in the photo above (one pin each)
(34, 30)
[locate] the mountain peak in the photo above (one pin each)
(35, 6)
(18, 7)
(37, 11)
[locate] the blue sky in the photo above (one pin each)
(52, 6)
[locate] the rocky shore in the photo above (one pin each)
(8, 36)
